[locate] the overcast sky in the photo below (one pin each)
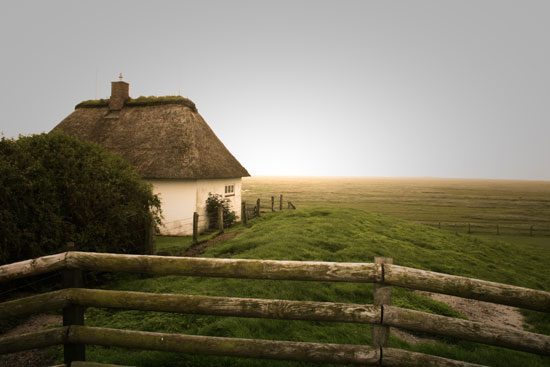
(329, 88)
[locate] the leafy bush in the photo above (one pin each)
(55, 189)
(215, 201)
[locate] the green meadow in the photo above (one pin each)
(514, 206)
(330, 234)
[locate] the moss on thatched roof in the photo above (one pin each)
(162, 140)
(141, 101)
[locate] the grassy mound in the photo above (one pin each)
(329, 235)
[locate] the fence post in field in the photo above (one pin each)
(73, 314)
(382, 296)
(498, 230)
(439, 225)
(258, 207)
(243, 212)
(281, 202)
(195, 228)
(220, 219)
(469, 229)
(273, 203)
(531, 231)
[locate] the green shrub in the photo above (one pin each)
(55, 189)
(215, 201)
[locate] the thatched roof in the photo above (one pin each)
(161, 140)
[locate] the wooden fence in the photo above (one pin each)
(254, 210)
(514, 229)
(74, 335)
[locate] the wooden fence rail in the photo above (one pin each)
(282, 310)
(286, 270)
(382, 315)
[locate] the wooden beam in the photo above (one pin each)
(467, 330)
(73, 314)
(34, 304)
(40, 339)
(31, 267)
(227, 268)
(235, 347)
(283, 309)
(195, 228)
(402, 358)
(467, 287)
(244, 218)
(93, 364)
(226, 306)
(382, 297)
(220, 219)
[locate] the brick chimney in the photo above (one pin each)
(119, 93)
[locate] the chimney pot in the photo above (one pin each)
(120, 92)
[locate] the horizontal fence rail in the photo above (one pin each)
(466, 287)
(286, 270)
(284, 310)
(193, 266)
(381, 315)
(236, 347)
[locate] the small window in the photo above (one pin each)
(229, 190)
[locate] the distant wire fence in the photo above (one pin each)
(517, 229)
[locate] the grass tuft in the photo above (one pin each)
(141, 101)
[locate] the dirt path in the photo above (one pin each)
(198, 249)
(33, 357)
(485, 312)
(478, 311)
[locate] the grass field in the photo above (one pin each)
(513, 205)
(331, 234)
(354, 220)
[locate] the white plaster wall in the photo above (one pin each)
(217, 186)
(178, 202)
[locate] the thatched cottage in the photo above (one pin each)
(169, 144)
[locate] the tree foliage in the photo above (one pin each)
(55, 189)
(215, 201)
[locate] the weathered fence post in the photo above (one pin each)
(220, 219)
(281, 202)
(243, 212)
(439, 225)
(382, 296)
(195, 228)
(73, 314)
(150, 239)
(273, 203)
(258, 207)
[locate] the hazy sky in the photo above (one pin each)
(348, 88)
